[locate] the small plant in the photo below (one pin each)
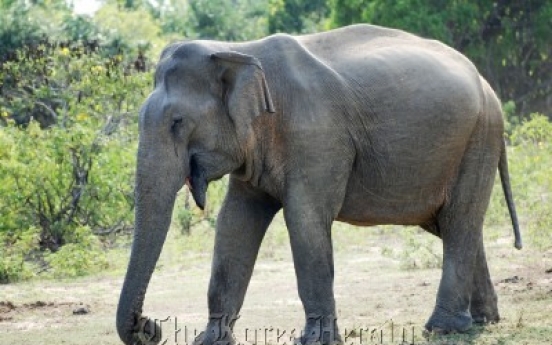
(418, 251)
(537, 131)
(14, 265)
(82, 256)
(520, 321)
(184, 217)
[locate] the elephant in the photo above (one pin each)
(363, 124)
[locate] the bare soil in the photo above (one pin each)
(378, 303)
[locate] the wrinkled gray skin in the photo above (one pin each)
(363, 124)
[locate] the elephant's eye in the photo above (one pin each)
(176, 123)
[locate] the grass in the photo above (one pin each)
(373, 292)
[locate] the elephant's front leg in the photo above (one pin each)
(241, 225)
(309, 213)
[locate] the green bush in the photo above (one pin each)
(16, 29)
(74, 169)
(84, 255)
(44, 174)
(58, 179)
(16, 247)
(529, 159)
(537, 130)
(532, 188)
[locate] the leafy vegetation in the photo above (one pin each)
(81, 256)
(70, 88)
(66, 152)
(530, 159)
(297, 16)
(14, 263)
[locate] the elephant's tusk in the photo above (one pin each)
(189, 183)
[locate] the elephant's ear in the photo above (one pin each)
(246, 91)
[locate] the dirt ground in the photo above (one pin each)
(378, 303)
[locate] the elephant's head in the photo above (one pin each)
(194, 127)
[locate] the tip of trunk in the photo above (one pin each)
(139, 331)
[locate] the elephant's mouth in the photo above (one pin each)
(197, 183)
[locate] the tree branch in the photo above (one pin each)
(53, 114)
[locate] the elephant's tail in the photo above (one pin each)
(505, 179)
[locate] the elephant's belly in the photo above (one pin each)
(406, 201)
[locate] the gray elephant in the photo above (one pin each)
(363, 124)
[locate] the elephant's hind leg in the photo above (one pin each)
(460, 221)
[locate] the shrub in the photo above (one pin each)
(58, 179)
(74, 171)
(16, 247)
(16, 30)
(537, 130)
(529, 159)
(83, 255)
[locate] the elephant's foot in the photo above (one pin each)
(320, 331)
(485, 314)
(444, 322)
(147, 332)
(211, 338)
(218, 331)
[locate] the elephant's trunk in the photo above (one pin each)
(155, 196)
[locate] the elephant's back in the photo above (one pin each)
(363, 40)
(354, 38)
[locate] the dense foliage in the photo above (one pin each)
(71, 85)
(66, 150)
